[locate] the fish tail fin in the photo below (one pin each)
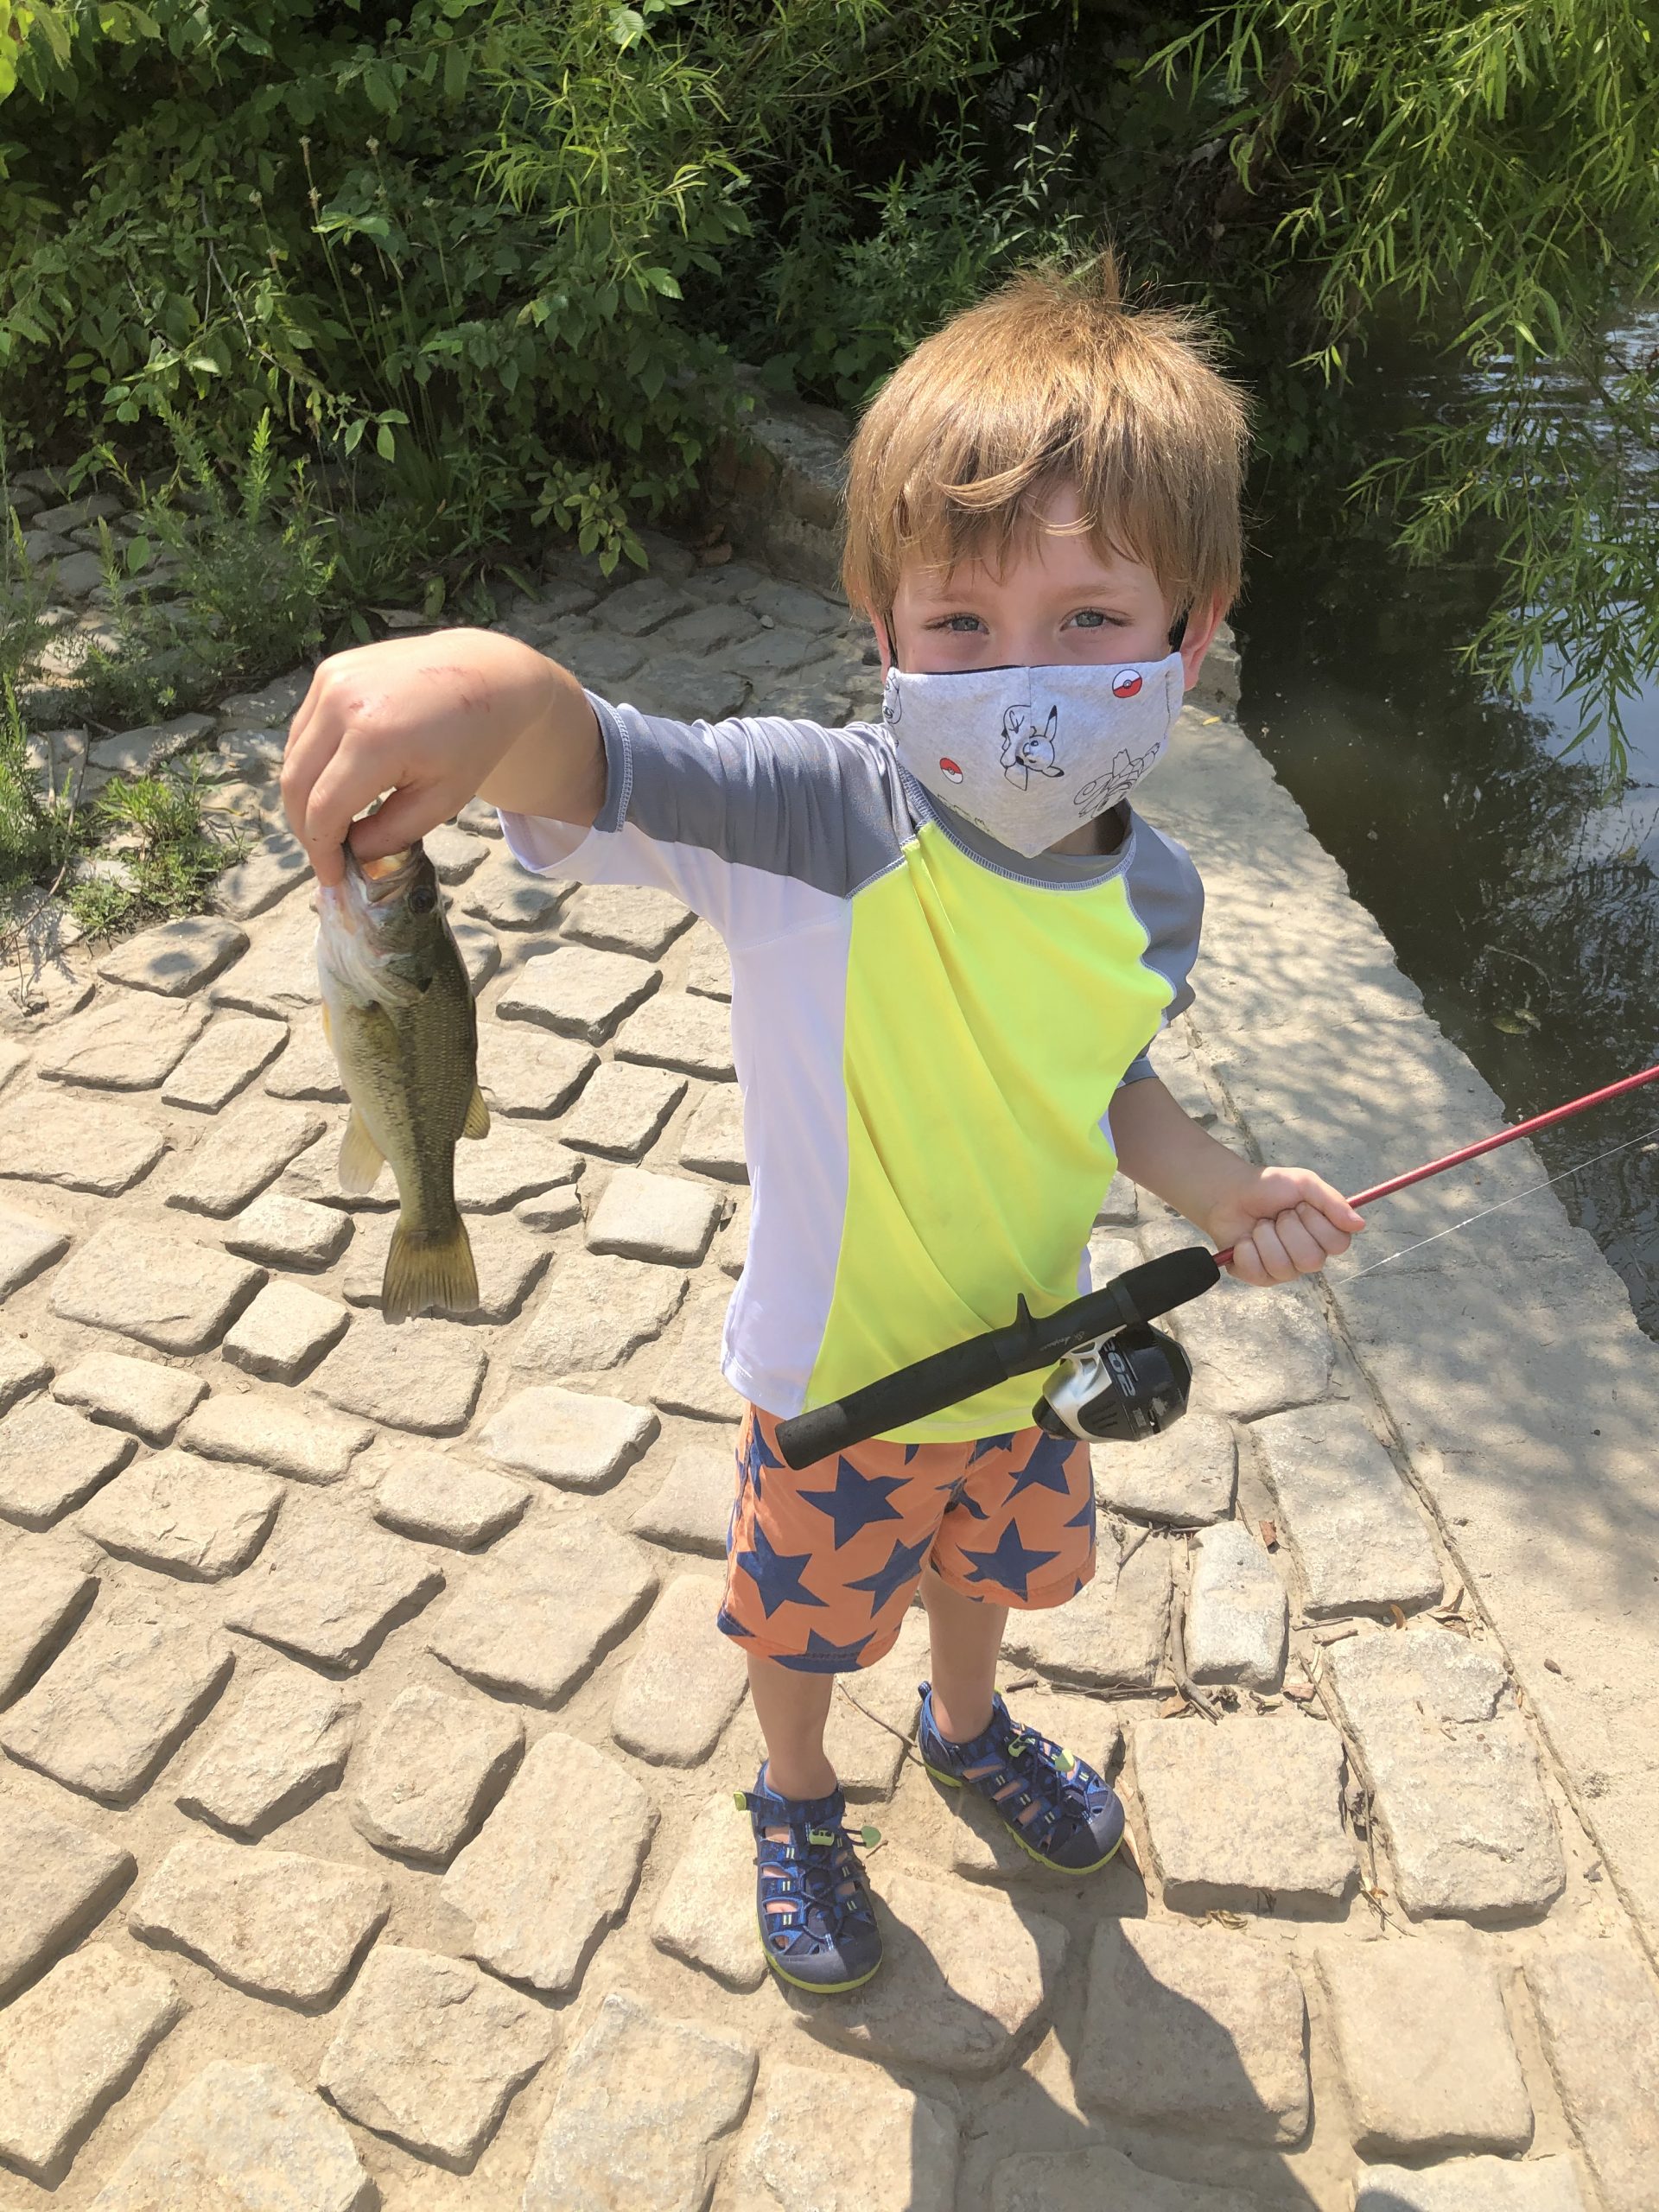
(429, 1270)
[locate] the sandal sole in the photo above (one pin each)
(955, 1782)
(819, 1988)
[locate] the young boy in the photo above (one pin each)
(952, 941)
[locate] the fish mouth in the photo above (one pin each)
(384, 879)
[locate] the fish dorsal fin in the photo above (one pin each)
(360, 1158)
(477, 1123)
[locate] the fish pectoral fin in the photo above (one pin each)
(477, 1123)
(360, 1158)
(428, 1271)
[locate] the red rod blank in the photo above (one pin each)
(1491, 1144)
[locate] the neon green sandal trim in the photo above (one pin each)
(813, 1988)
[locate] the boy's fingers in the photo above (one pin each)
(407, 815)
(1331, 1240)
(1276, 1263)
(342, 788)
(1305, 1255)
(1245, 1265)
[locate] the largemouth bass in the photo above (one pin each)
(398, 1013)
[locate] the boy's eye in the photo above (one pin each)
(1090, 617)
(962, 625)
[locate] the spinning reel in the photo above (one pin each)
(1119, 1389)
(1120, 1381)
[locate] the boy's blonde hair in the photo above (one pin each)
(1051, 379)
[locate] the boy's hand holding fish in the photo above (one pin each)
(435, 721)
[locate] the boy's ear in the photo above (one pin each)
(883, 641)
(1201, 627)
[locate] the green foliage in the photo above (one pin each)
(1487, 172)
(36, 835)
(167, 851)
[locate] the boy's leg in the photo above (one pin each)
(966, 1636)
(791, 1708)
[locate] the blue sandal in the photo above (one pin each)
(1077, 1821)
(818, 1924)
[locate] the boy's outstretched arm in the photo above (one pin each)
(1281, 1221)
(435, 721)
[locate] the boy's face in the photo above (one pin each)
(1058, 601)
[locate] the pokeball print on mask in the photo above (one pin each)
(1127, 683)
(949, 768)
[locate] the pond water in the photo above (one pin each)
(1525, 908)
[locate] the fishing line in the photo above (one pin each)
(1388, 1260)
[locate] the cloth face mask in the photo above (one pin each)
(1027, 755)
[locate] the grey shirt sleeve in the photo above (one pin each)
(1166, 893)
(730, 815)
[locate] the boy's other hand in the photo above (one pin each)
(1282, 1223)
(428, 720)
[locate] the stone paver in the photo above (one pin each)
(1112, 1636)
(1599, 2012)
(111, 1707)
(22, 1371)
(522, 1071)
(516, 1161)
(1104, 2181)
(1237, 1616)
(567, 1437)
(38, 1619)
(28, 1247)
(123, 1043)
(594, 1311)
(275, 1924)
(1428, 2063)
(454, 852)
(240, 2138)
(282, 1232)
(296, 1438)
(618, 919)
(279, 977)
(705, 1911)
(1253, 1352)
(51, 1459)
(713, 1143)
(430, 2052)
(243, 1153)
(622, 1111)
(1244, 1811)
(284, 1332)
(328, 1591)
(1194, 2026)
(689, 1381)
(271, 871)
(184, 1516)
(708, 967)
(684, 1683)
(555, 1865)
(544, 1608)
(68, 2048)
(693, 1508)
(818, 2143)
(444, 1500)
(420, 1776)
(61, 1877)
(79, 1145)
(283, 1745)
(1358, 1538)
(223, 1061)
(139, 1394)
(177, 958)
(1472, 2185)
(646, 1217)
(577, 992)
(307, 1069)
(503, 894)
(159, 1286)
(1458, 1792)
(965, 1973)
(423, 1375)
(644, 2109)
(678, 1031)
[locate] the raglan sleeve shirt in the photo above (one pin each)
(927, 1029)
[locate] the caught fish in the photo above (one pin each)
(397, 1011)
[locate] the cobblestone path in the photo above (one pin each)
(365, 1818)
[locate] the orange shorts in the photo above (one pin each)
(821, 1564)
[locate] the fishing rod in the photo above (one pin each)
(1120, 1380)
